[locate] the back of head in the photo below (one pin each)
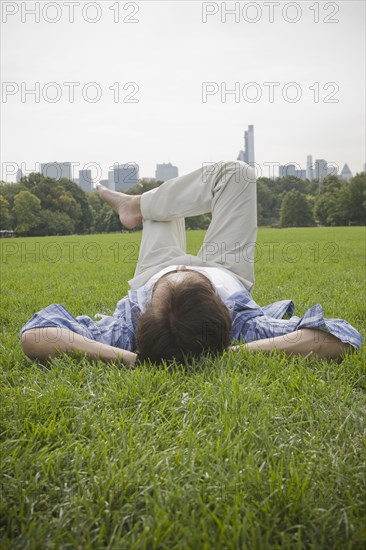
(188, 320)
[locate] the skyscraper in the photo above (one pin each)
(309, 167)
(247, 155)
(85, 180)
(320, 170)
(287, 170)
(57, 170)
(110, 180)
(166, 172)
(123, 176)
(301, 174)
(19, 175)
(332, 169)
(346, 173)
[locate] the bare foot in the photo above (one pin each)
(126, 206)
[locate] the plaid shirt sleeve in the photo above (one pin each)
(251, 322)
(117, 330)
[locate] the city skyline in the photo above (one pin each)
(166, 171)
(269, 169)
(125, 176)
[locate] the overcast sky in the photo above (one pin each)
(171, 62)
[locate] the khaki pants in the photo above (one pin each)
(228, 191)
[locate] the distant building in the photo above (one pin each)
(247, 155)
(165, 172)
(19, 175)
(110, 180)
(301, 174)
(85, 180)
(287, 170)
(57, 170)
(123, 176)
(332, 170)
(346, 173)
(309, 167)
(320, 170)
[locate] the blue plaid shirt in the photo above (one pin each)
(249, 321)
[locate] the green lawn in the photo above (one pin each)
(243, 452)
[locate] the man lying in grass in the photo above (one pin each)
(180, 305)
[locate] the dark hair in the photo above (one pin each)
(188, 320)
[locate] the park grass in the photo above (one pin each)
(244, 451)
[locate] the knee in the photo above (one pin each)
(242, 171)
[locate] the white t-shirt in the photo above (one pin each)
(225, 282)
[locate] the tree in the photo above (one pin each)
(357, 199)
(61, 196)
(84, 221)
(324, 206)
(329, 207)
(342, 203)
(27, 209)
(10, 190)
(331, 184)
(339, 213)
(5, 218)
(296, 210)
(201, 221)
(104, 219)
(282, 186)
(109, 221)
(31, 180)
(54, 223)
(144, 185)
(95, 206)
(267, 204)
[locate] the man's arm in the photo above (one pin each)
(306, 342)
(43, 343)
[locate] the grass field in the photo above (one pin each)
(243, 452)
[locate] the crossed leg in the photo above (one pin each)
(226, 189)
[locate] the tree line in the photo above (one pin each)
(39, 205)
(292, 202)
